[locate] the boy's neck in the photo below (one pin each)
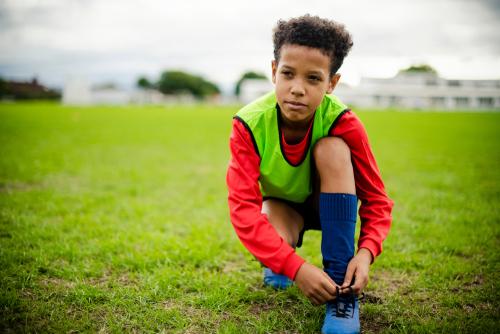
(295, 126)
(294, 132)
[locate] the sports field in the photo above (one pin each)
(114, 219)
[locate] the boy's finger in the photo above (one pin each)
(348, 277)
(331, 290)
(323, 296)
(330, 279)
(357, 287)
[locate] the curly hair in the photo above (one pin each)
(330, 37)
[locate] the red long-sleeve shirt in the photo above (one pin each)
(245, 198)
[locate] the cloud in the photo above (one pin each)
(119, 40)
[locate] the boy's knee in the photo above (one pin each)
(332, 154)
(285, 220)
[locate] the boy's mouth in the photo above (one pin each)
(295, 106)
(294, 103)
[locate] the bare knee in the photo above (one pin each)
(331, 154)
(332, 157)
(285, 220)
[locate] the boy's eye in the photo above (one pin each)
(314, 78)
(287, 73)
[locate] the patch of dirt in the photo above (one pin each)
(104, 282)
(193, 312)
(6, 235)
(468, 308)
(476, 283)
(193, 329)
(10, 187)
(28, 294)
(463, 255)
(108, 279)
(372, 325)
(103, 330)
(186, 310)
(385, 283)
(57, 282)
(259, 308)
(372, 299)
(212, 322)
(169, 305)
(230, 267)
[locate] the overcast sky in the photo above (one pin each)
(119, 40)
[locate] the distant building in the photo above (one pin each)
(251, 89)
(26, 90)
(422, 91)
(153, 96)
(147, 96)
(78, 91)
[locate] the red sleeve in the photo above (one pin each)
(245, 205)
(376, 207)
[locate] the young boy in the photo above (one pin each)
(300, 161)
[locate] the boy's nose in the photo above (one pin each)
(297, 89)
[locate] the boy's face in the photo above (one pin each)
(301, 78)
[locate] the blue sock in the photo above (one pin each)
(338, 214)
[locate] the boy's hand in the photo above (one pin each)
(316, 285)
(358, 268)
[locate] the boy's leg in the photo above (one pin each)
(333, 164)
(288, 223)
(338, 211)
(337, 203)
(285, 220)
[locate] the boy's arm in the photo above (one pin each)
(376, 206)
(245, 204)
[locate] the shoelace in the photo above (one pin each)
(343, 312)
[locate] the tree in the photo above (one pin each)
(144, 83)
(175, 82)
(2, 87)
(247, 75)
(422, 68)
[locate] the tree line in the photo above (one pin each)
(178, 82)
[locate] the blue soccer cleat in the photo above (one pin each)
(276, 281)
(342, 315)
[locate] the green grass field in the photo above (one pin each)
(116, 220)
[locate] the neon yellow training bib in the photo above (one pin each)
(278, 177)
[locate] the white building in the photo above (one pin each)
(152, 96)
(78, 91)
(251, 89)
(422, 91)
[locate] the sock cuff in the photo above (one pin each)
(338, 206)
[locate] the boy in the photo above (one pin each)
(300, 160)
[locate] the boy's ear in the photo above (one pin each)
(333, 82)
(274, 67)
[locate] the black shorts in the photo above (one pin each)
(309, 212)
